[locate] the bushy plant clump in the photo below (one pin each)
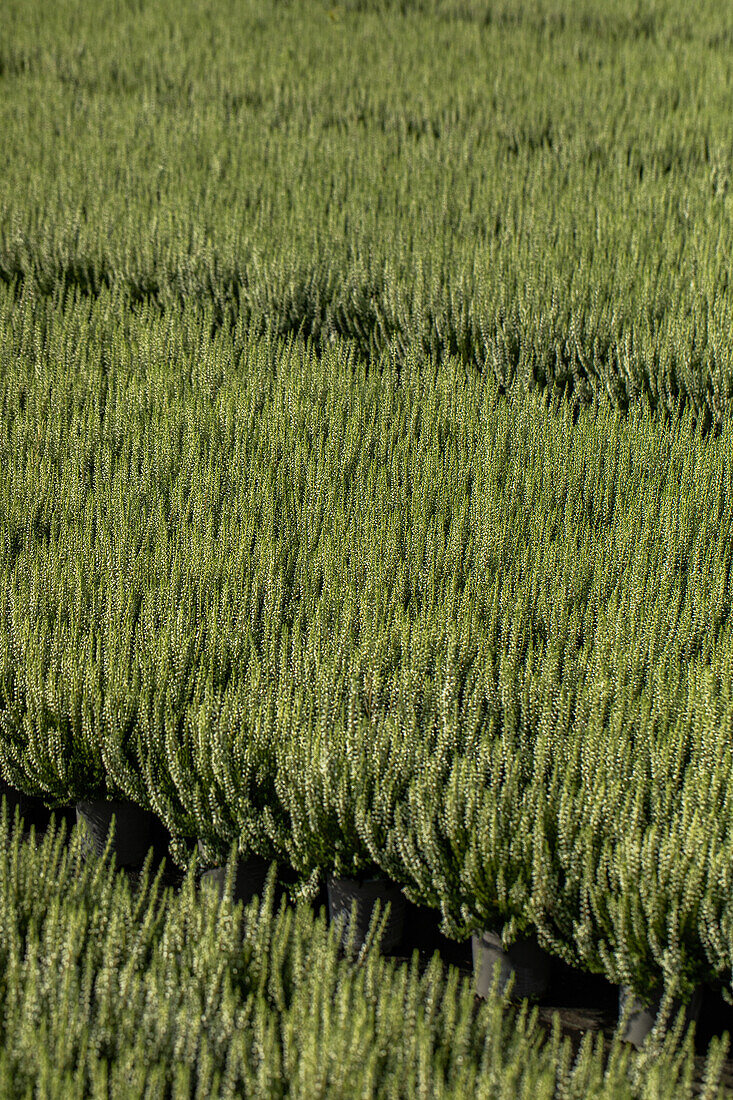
(352, 622)
(110, 993)
(550, 201)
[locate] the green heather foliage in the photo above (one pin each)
(110, 992)
(353, 622)
(540, 188)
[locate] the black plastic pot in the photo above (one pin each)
(136, 831)
(342, 892)
(249, 878)
(643, 1017)
(525, 959)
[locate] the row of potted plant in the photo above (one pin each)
(112, 987)
(353, 902)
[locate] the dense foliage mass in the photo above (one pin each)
(541, 188)
(351, 622)
(107, 994)
(366, 476)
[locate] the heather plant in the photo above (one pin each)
(110, 991)
(551, 203)
(359, 510)
(359, 623)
